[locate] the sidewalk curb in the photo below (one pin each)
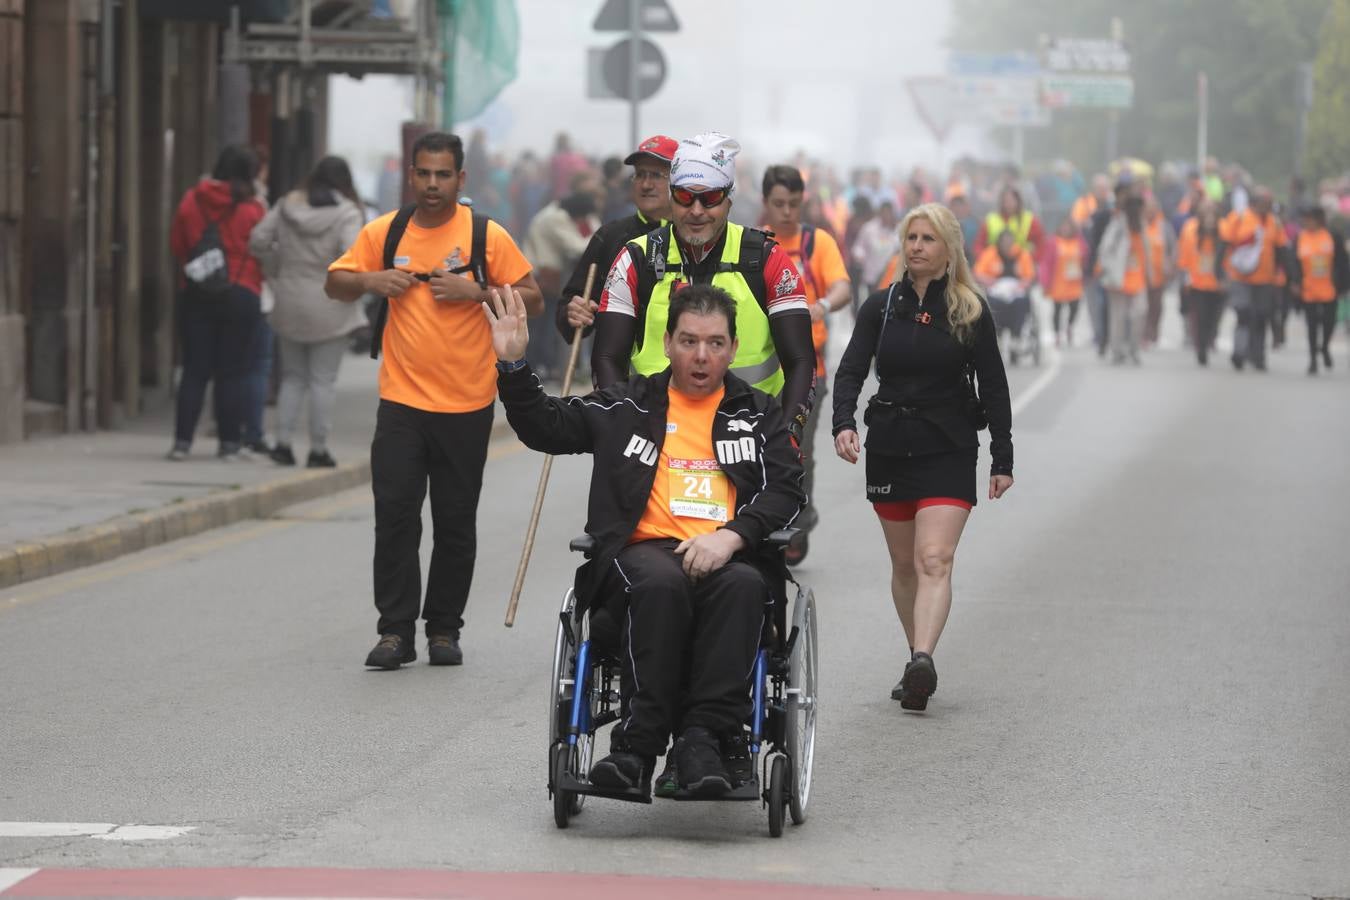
(93, 544)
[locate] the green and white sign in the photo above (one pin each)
(1095, 91)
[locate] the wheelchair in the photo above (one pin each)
(780, 734)
(1014, 313)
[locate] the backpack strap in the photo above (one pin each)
(808, 250)
(756, 245)
(651, 268)
(392, 239)
(885, 316)
(476, 268)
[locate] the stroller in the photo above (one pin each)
(1013, 315)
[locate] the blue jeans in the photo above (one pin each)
(258, 381)
(217, 336)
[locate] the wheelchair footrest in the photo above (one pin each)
(577, 786)
(748, 791)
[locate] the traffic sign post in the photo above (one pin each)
(634, 68)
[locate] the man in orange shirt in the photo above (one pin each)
(828, 289)
(437, 385)
(692, 470)
(1254, 237)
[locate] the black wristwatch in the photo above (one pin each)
(506, 368)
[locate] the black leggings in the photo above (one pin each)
(1073, 312)
(1321, 326)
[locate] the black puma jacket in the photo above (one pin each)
(624, 426)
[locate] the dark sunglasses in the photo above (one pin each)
(709, 199)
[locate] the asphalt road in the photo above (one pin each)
(1143, 683)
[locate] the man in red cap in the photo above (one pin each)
(651, 196)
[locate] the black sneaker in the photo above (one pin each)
(391, 652)
(698, 757)
(259, 447)
(320, 459)
(281, 455)
(919, 683)
(668, 782)
(1326, 358)
(622, 771)
(736, 757)
(443, 650)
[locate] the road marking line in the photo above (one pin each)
(1041, 383)
(106, 831)
(11, 877)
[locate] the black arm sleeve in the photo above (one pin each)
(781, 499)
(993, 389)
(1340, 264)
(791, 334)
(577, 283)
(547, 424)
(857, 362)
(614, 336)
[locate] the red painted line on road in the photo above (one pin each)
(405, 884)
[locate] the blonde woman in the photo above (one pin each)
(933, 339)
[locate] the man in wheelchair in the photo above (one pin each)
(692, 470)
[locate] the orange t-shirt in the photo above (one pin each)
(1134, 281)
(1239, 228)
(1083, 209)
(1066, 282)
(1157, 253)
(1316, 250)
(437, 357)
(824, 268)
(991, 266)
(691, 495)
(1197, 258)
(891, 274)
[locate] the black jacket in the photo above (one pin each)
(624, 426)
(602, 250)
(924, 401)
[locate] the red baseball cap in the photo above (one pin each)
(657, 146)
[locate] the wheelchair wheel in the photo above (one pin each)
(777, 793)
(801, 704)
(560, 704)
(565, 803)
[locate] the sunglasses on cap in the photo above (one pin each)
(709, 198)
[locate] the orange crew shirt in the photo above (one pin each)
(1135, 268)
(1157, 253)
(1066, 284)
(990, 266)
(1238, 228)
(436, 357)
(823, 269)
(691, 495)
(1316, 251)
(1197, 258)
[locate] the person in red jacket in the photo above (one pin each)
(218, 297)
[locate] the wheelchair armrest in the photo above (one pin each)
(582, 543)
(782, 537)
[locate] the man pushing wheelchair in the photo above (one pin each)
(693, 469)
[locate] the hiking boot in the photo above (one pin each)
(443, 650)
(919, 683)
(391, 652)
(623, 770)
(320, 459)
(736, 758)
(1326, 358)
(282, 455)
(699, 760)
(667, 783)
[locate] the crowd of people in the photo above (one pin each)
(709, 304)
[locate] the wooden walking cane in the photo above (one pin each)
(548, 465)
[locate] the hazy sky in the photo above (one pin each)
(780, 76)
